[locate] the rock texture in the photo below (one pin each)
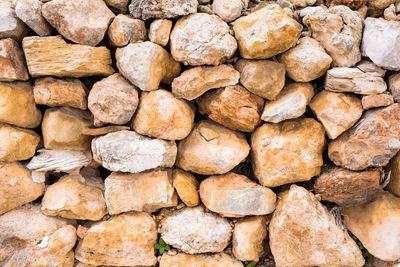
(394, 86)
(186, 186)
(11, 25)
(376, 101)
(124, 29)
(162, 8)
(394, 169)
(30, 12)
(159, 31)
(184, 260)
(228, 10)
(12, 61)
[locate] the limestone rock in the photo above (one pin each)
(160, 30)
(124, 29)
(186, 187)
(212, 149)
(202, 39)
(60, 92)
(266, 32)
(81, 21)
(118, 4)
(302, 3)
(163, 116)
(127, 151)
(12, 61)
(303, 233)
(376, 101)
(336, 111)
(380, 4)
(394, 86)
(124, 240)
(228, 10)
(104, 130)
(372, 142)
(65, 60)
(17, 105)
(289, 104)
(339, 30)
(202, 260)
(264, 78)
(394, 169)
(113, 100)
(195, 231)
(162, 9)
(11, 25)
(153, 64)
(30, 12)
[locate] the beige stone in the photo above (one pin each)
(376, 101)
(202, 260)
(12, 63)
(394, 169)
(104, 130)
(394, 86)
(11, 25)
(124, 29)
(159, 31)
(162, 8)
(30, 12)
(186, 186)
(118, 4)
(228, 10)
(302, 3)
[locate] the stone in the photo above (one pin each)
(113, 242)
(67, 92)
(372, 142)
(153, 64)
(336, 111)
(30, 12)
(228, 10)
(339, 31)
(390, 13)
(17, 105)
(202, 39)
(161, 115)
(211, 149)
(376, 101)
(266, 32)
(113, 100)
(306, 61)
(380, 4)
(250, 238)
(302, 3)
(17, 143)
(124, 29)
(348, 188)
(353, 4)
(104, 130)
(234, 195)
(17, 187)
(81, 21)
(118, 4)
(291, 103)
(30, 238)
(11, 25)
(159, 31)
(194, 82)
(194, 231)
(61, 129)
(186, 186)
(128, 151)
(376, 226)
(394, 169)
(303, 233)
(202, 260)
(264, 78)
(162, 9)
(12, 63)
(66, 60)
(394, 86)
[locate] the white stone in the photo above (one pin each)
(29, 11)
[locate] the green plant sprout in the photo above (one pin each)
(364, 251)
(161, 246)
(250, 263)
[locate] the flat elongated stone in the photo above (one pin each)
(11, 25)
(186, 186)
(30, 12)
(104, 130)
(376, 101)
(12, 63)
(202, 260)
(146, 9)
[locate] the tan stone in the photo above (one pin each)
(125, 29)
(202, 260)
(186, 186)
(394, 86)
(376, 101)
(211, 149)
(394, 169)
(160, 30)
(30, 12)
(302, 3)
(11, 25)
(162, 8)
(113, 242)
(12, 63)
(118, 4)
(62, 127)
(353, 4)
(194, 82)
(104, 130)
(65, 60)
(163, 116)
(228, 10)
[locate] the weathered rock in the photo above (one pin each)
(186, 187)
(194, 231)
(203, 260)
(250, 239)
(81, 21)
(372, 142)
(65, 60)
(336, 111)
(11, 25)
(17, 187)
(287, 152)
(289, 104)
(194, 82)
(306, 61)
(60, 92)
(127, 151)
(302, 3)
(124, 29)
(228, 10)
(339, 30)
(153, 64)
(113, 100)
(162, 9)
(353, 4)
(17, 143)
(12, 63)
(113, 242)
(30, 12)
(348, 188)
(394, 169)
(266, 32)
(29, 238)
(394, 86)
(212, 149)
(163, 116)
(202, 39)
(264, 78)
(303, 233)
(232, 106)
(376, 101)
(380, 4)
(159, 31)
(376, 226)
(234, 195)
(104, 130)
(118, 4)
(17, 105)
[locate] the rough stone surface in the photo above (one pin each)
(11, 25)
(353, 4)
(159, 31)
(153, 64)
(264, 78)
(211, 149)
(302, 3)
(324, 244)
(127, 151)
(394, 86)
(228, 10)
(203, 260)
(394, 169)
(124, 29)
(194, 231)
(162, 8)
(163, 116)
(194, 82)
(30, 12)
(186, 186)
(104, 130)
(202, 39)
(376, 101)
(118, 4)
(12, 63)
